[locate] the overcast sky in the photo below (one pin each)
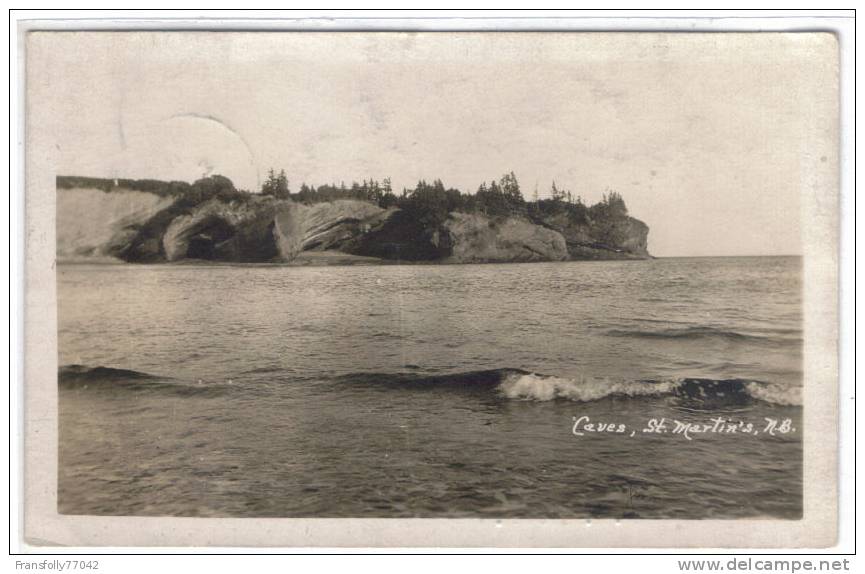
(707, 137)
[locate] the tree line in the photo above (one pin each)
(429, 202)
(432, 202)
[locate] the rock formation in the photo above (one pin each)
(151, 227)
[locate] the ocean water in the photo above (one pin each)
(433, 391)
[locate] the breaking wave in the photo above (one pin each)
(520, 384)
(709, 391)
(507, 383)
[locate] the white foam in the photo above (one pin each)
(773, 393)
(543, 388)
(583, 389)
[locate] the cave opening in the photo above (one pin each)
(208, 238)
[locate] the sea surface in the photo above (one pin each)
(433, 390)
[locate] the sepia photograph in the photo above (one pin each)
(450, 275)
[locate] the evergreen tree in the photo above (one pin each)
(557, 194)
(276, 185)
(511, 189)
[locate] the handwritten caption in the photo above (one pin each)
(584, 426)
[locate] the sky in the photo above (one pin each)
(710, 138)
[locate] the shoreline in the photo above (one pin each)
(319, 259)
(339, 259)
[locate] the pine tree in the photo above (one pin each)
(511, 188)
(276, 185)
(282, 191)
(557, 194)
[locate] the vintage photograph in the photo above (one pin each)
(432, 275)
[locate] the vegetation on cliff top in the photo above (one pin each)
(428, 203)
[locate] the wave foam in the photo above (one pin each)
(545, 388)
(776, 394)
(532, 386)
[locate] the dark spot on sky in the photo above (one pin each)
(823, 159)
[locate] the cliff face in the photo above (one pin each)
(621, 238)
(137, 226)
(325, 226)
(257, 229)
(94, 223)
(476, 239)
(223, 232)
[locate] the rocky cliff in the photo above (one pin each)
(474, 238)
(617, 238)
(92, 223)
(145, 226)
